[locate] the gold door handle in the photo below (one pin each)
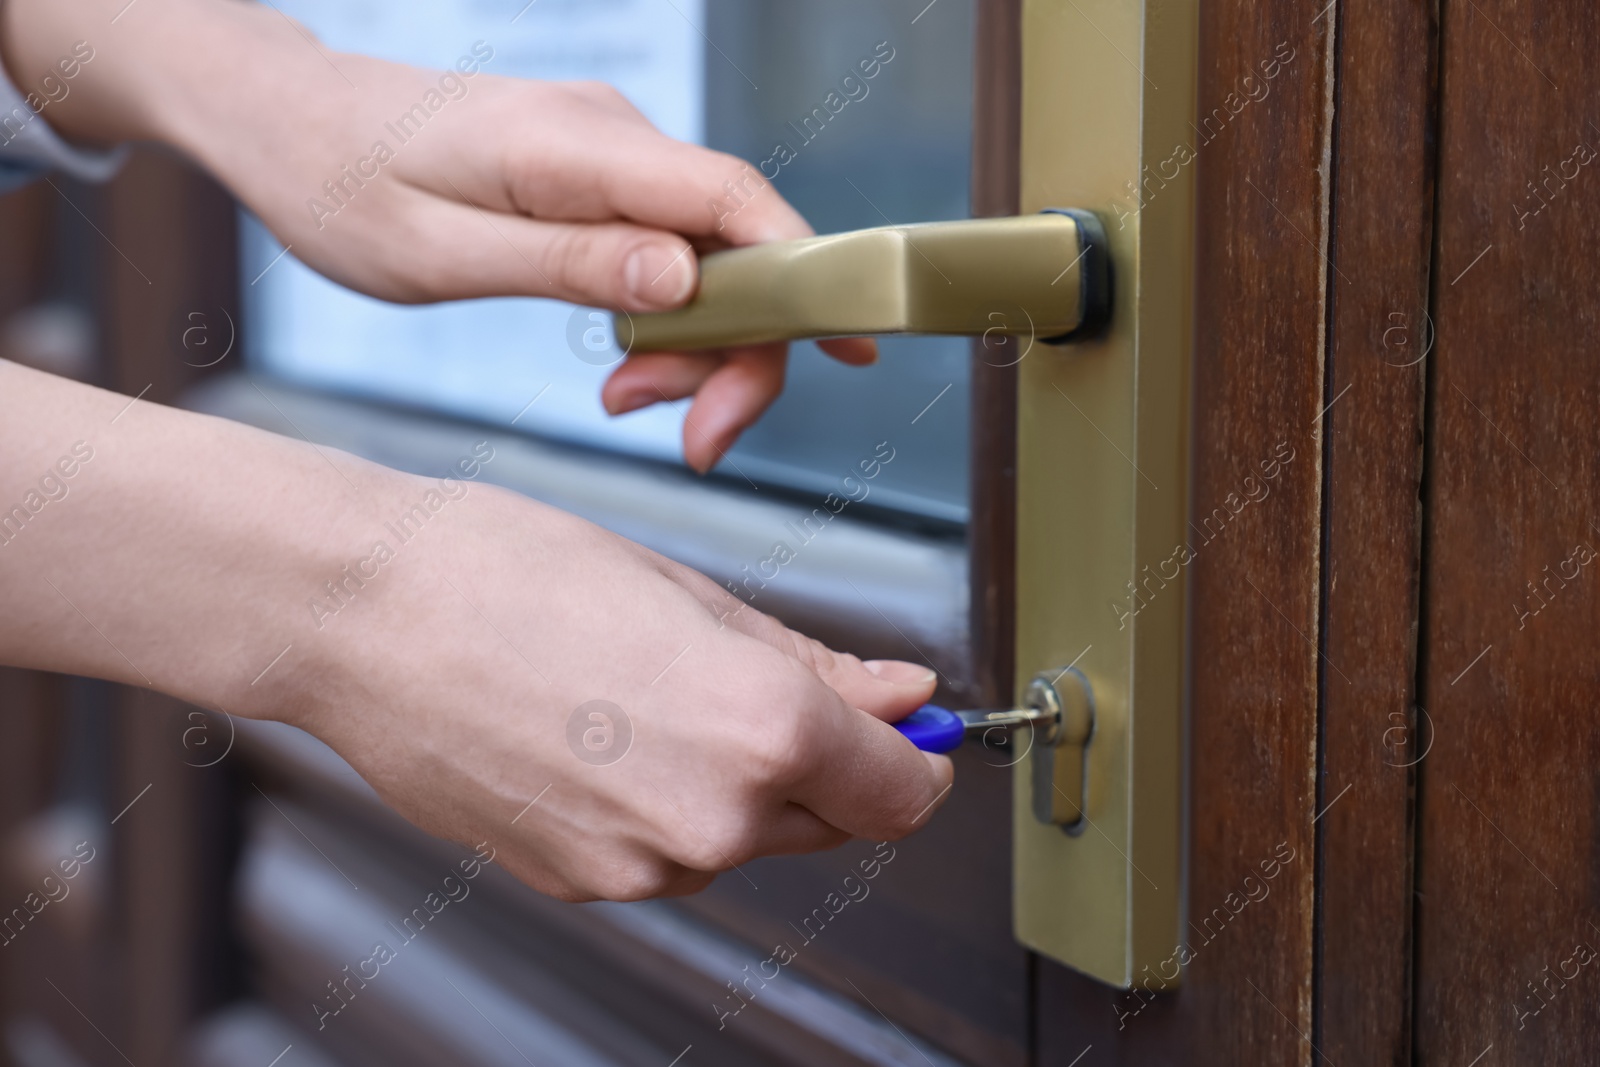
(1043, 276)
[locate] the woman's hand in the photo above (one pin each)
(417, 185)
(447, 638)
(615, 724)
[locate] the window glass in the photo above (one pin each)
(784, 85)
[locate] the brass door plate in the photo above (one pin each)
(1108, 102)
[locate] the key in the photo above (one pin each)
(935, 729)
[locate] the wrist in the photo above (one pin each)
(107, 71)
(305, 641)
(165, 549)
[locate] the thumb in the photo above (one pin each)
(902, 688)
(600, 264)
(617, 265)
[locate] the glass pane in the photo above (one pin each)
(784, 85)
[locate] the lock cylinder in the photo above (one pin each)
(1059, 708)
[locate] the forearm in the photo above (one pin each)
(157, 547)
(173, 71)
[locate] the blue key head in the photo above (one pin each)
(933, 729)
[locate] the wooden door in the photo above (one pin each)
(1315, 211)
(1390, 659)
(1507, 875)
(1392, 662)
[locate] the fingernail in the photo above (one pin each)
(898, 672)
(660, 275)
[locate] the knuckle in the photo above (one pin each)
(809, 652)
(902, 822)
(777, 745)
(597, 91)
(567, 257)
(570, 894)
(911, 811)
(764, 627)
(719, 847)
(589, 261)
(822, 660)
(631, 880)
(731, 164)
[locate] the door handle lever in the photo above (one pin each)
(1044, 276)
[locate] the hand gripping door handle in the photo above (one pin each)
(1045, 277)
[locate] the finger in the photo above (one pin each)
(861, 775)
(692, 190)
(885, 689)
(790, 830)
(854, 772)
(478, 252)
(607, 97)
(622, 169)
(856, 351)
(801, 831)
(732, 398)
(653, 377)
(622, 871)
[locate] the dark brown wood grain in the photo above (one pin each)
(1507, 874)
(991, 532)
(29, 701)
(1378, 335)
(168, 255)
(26, 217)
(169, 277)
(30, 714)
(32, 704)
(1263, 286)
(172, 909)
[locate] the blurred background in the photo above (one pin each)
(238, 875)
